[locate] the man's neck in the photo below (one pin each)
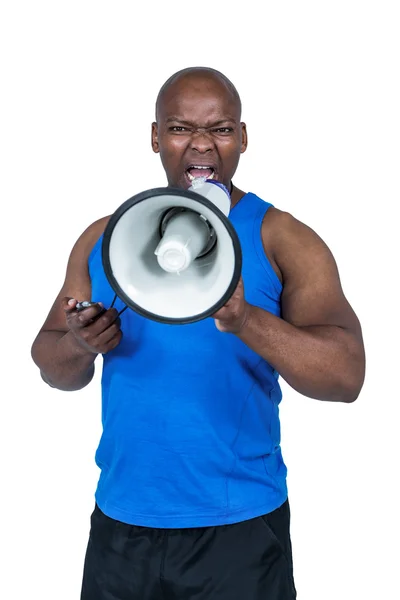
(236, 195)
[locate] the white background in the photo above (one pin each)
(320, 88)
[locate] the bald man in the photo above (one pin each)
(192, 500)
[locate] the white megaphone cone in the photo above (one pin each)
(172, 255)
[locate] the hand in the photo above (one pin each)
(232, 317)
(95, 329)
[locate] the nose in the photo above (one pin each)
(202, 142)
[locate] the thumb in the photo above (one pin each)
(68, 304)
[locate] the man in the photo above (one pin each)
(192, 500)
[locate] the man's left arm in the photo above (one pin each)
(317, 345)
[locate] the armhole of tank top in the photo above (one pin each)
(258, 245)
(93, 253)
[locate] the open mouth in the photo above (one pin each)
(195, 171)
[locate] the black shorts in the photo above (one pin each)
(251, 560)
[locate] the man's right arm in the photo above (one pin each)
(69, 341)
(61, 361)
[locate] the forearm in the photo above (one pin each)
(62, 362)
(323, 362)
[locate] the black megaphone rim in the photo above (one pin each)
(141, 197)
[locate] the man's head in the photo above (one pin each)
(198, 124)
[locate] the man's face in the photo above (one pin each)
(198, 132)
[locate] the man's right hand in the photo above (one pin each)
(95, 329)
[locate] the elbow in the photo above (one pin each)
(35, 355)
(46, 379)
(353, 384)
(346, 386)
(350, 396)
(34, 352)
(66, 386)
(353, 374)
(345, 394)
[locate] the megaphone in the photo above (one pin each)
(171, 254)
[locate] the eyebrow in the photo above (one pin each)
(220, 122)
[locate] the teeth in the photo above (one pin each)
(200, 167)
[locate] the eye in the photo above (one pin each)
(178, 129)
(223, 130)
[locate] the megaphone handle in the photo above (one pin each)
(86, 304)
(112, 304)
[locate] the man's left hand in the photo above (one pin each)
(232, 317)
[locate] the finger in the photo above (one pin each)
(222, 313)
(113, 343)
(103, 322)
(84, 317)
(107, 337)
(68, 304)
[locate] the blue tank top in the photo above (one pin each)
(191, 433)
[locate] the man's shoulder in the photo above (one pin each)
(95, 230)
(278, 223)
(88, 239)
(289, 241)
(273, 214)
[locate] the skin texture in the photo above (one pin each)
(316, 346)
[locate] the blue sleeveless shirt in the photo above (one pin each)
(191, 433)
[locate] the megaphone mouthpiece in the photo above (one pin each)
(198, 182)
(214, 191)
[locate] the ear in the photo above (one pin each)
(243, 147)
(154, 138)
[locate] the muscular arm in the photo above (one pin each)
(317, 345)
(64, 363)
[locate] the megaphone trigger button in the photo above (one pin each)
(84, 304)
